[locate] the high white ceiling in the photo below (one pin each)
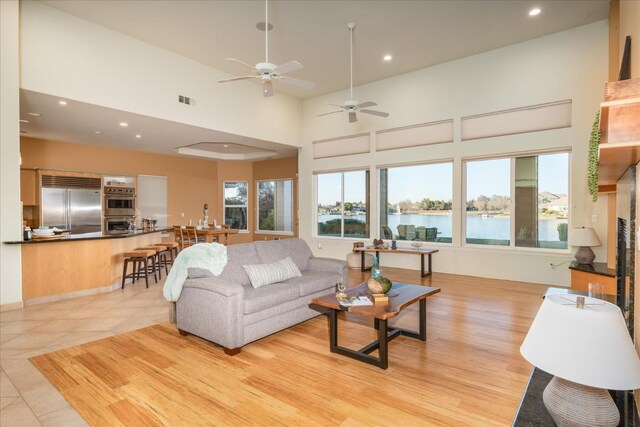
(417, 33)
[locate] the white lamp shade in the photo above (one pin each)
(589, 346)
(584, 237)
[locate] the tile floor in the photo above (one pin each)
(26, 397)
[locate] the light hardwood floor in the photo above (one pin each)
(469, 372)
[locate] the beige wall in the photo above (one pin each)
(191, 182)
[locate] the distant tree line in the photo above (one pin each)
(489, 204)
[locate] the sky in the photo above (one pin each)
(434, 181)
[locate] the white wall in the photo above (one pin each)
(66, 56)
(567, 65)
(10, 210)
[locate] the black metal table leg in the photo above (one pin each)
(422, 271)
(383, 340)
(423, 320)
(333, 330)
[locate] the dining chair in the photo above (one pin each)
(192, 235)
(179, 235)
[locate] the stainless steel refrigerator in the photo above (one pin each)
(76, 209)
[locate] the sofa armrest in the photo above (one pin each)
(214, 284)
(329, 265)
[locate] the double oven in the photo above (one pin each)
(119, 208)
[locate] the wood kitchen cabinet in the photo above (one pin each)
(28, 187)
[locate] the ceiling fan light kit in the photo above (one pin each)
(266, 71)
(351, 106)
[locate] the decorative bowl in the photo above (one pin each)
(416, 245)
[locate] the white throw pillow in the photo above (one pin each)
(266, 274)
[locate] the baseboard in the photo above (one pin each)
(74, 294)
(11, 306)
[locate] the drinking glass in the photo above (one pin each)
(596, 290)
(341, 287)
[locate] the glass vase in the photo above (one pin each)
(375, 269)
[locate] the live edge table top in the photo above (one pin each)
(401, 295)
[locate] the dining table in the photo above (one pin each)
(219, 235)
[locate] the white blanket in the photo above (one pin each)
(210, 256)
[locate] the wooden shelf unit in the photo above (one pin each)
(620, 130)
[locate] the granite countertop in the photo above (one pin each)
(88, 236)
(595, 268)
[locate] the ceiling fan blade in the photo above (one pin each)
(367, 104)
(233, 79)
(331, 112)
(336, 105)
(352, 117)
(296, 82)
(375, 113)
(267, 88)
(288, 67)
(241, 62)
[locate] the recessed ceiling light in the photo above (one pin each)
(97, 132)
(24, 121)
(387, 57)
(124, 124)
(138, 136)
(535, 11)
(34, 114)
(61, 102)
(225, 145)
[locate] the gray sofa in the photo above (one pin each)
(228, 311)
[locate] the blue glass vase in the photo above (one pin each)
(375, 269)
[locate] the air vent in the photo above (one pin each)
(186, 100)
(58, 181)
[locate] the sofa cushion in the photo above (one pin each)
(314, 281)
(275, 250)
(238, 256)
(266, 274)
(268, 296)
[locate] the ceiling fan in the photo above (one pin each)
(266, 71)
(352, 106)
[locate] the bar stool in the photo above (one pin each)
(172, 249)
(160, 258)
(140, 260)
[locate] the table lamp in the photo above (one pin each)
(585, 344)
(585, 238)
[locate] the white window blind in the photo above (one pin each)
(355, 144)
(415, 136)
(554, 115)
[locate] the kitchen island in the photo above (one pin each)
(77, 265)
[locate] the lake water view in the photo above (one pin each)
(492, 227)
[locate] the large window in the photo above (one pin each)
(520, 201)
(343, 200)
(416, 202)
(275, 206)
(235, 204)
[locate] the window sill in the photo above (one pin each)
(279, 233)
(518, 250)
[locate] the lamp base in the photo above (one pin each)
(585, 255)
(574, 405)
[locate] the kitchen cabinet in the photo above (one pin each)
(28, 187)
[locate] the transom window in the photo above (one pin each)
(342, 204)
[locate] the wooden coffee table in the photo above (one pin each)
(401, 296)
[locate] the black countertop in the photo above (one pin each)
(88, 236)
(594, 268)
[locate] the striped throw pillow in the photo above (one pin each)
(266, 274)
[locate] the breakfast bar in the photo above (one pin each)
(76, 265)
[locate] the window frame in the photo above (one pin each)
(314, 233)
(407, 243)
(512, 187)
(224, 203)
(293, 222)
